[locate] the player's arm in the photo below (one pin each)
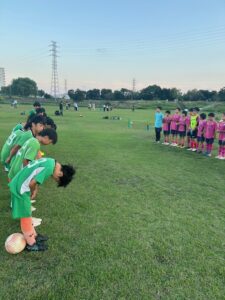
(13, 152)
(33, 185)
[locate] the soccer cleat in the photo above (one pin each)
(193, 150)
(221, 157)
(32, 201)
(189, 149)
(36, 247)
(218, 156)
(41, 238)
(33, 208)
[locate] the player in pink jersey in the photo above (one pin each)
(210, 133)
(200, 133)
(221, 138)
(182, 128)
(174, 127)
(166, 127)
(188, 123)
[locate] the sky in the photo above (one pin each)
(105, 44)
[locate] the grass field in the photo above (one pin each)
(141, 221)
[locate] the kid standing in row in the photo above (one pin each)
(182, 128)
(158, 124)
(210, 133)
(221, 138)
(174, 127)
(200, 133)
(166, 127)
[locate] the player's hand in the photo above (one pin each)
(8, 160)
(34, 193)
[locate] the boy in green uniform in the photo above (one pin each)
(23, 189)
(7, 147)
(31, 129)
(29, 150)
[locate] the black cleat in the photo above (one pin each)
(36, 247)
(41, 238)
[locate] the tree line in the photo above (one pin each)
(25, 87)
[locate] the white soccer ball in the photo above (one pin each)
(15, 243)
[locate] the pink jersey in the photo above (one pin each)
(182, 124)
(221, 130)
(201, 127)
(210, 129)
(174, 120)
(166, 123)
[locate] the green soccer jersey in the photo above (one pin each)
(10, 143)
(39, 170)
(21, 141)
(28, 151)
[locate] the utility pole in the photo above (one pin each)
(133, 87)
(2, 77)
(54, 81)
(65, 86)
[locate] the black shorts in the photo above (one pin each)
(200, 139)
(221, 142)
(188, 133)
(166, 132)
(209, 141)
(174, 132)
(193, 134)
(182, 133)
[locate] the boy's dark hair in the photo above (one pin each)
(37, 104)
(191, 110)
(35, 119)
(178, 108)
(68, 173)
(51, 123)
(40, 110)
(196, 109)
(184, 113)
(168, 112)
(211, 115)
(51, 133)
(203, 116)
(159, 107)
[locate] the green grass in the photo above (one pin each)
(141, 221)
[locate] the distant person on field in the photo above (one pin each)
(75, 106)
(221, 137)
(210, 133)
(166, 127)
(201, 133)
(194, 120)
(158, 123)
(61, 108)
(182, 129)
(35, 105)
(174, 127)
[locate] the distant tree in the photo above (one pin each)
(118, 95)
(71, 94)
(93, 94)
(40, 93)
(106, 94)
(6, 90)
(24, 87)
(151, 92)
(47, 96)
(127, 93)
(221, 94)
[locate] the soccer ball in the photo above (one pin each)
(15, 243)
